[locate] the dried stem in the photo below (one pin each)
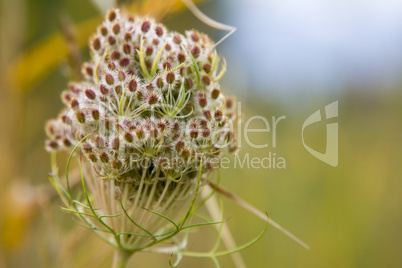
(256, 212)
(216, 214)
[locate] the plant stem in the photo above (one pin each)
(120, 258)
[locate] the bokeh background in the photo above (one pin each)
(287, 58)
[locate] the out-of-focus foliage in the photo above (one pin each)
(349, 215)
(37, 62)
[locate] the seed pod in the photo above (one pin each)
(170, 77)
(132, 85)
(95, 114)
(117, 164)
(103, 31)
(127, 49)
(146, 25)
(206, 80)
(218, 115)
(90, 94)
(115, 55)
(124, 62)
(116, 29)
(111, 16)
(179, 146)
(195, 51)
(121, 76)
(159, 31)
(80, 117)
(215, 93)
(206, 132)
(96, 44)
(115, 144)
(104, 157)
(193, 133)
(128, 137)
(111, 40)
(109, 79)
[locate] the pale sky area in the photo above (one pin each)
(320, 44)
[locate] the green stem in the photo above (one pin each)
(121, 258)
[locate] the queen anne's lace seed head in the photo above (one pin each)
(148, 115)
(147, 94)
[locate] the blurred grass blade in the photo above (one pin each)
(256, 212)
(70, 38)
(43, 58)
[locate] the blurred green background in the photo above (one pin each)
(350, 215)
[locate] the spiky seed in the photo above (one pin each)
(96, 44)
(159, 31)
(146, 25)
(111, 40)
(103, 31)
(116, 29)
(80, 117)
(111, 16)
(128, 137)
(90, 94)
(170, 77)
(115, 144)
(215, 93)
(109, 79)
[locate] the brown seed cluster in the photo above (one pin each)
(149, 96)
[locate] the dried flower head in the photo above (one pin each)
(149, 117)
